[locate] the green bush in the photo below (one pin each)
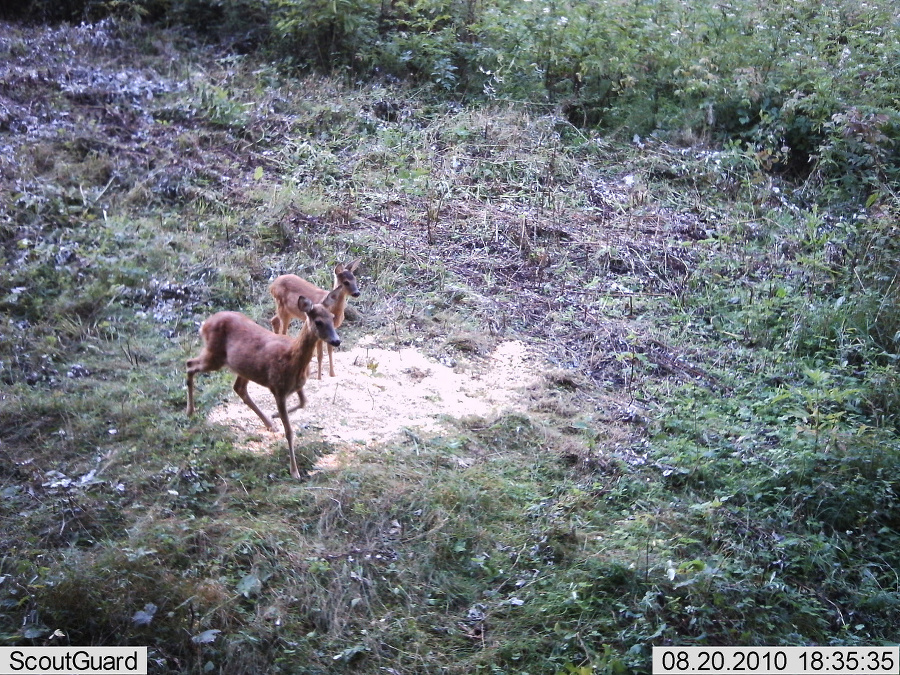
(328, 34)
(425, 41)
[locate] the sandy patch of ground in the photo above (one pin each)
(377, 393)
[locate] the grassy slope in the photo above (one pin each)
(681, 476)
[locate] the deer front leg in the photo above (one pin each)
(319, 355)
(301, 400)
(194, 366)
(190, 386)
(240, 388)
(330, 362)
(288, 434)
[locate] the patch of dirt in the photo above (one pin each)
(378, 393)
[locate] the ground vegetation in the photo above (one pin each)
(702, 253)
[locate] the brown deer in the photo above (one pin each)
(288, 287)
(255, 354)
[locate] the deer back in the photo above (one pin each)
(232, 339)
(287, 290)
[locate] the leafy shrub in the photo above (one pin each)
(858, 156)
(327, 34)
(426, 41)
(76, 11)
(861, 322)
(785, 81)
(244, 23)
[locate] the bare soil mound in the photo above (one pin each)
(378, 393)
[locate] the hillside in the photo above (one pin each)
(597, 394)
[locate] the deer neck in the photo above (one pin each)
(304, 346)
(336, 302)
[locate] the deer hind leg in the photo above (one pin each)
(288, 433)
(240, 388)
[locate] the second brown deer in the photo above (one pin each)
(288, 287)
(255, 354)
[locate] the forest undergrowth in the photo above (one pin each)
(710, 457)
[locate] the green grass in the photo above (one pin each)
(707, 460)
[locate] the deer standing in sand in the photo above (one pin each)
(255, 354)
(288, 287)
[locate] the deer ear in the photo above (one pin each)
(304, 304)
(352, 266)
(339, 268)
